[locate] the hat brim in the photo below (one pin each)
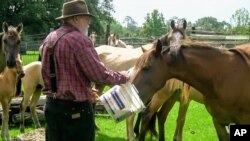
(67, 16)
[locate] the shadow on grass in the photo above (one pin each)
(104, 137)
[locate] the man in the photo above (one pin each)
(68, 111)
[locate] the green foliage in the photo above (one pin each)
(117, 28)
(38, 16)
(154, 24)
(241, 22)
(212, 24)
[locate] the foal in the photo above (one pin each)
(32, 84)
(8, 80)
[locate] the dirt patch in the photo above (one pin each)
(35, 135)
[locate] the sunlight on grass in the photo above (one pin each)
(198, 126)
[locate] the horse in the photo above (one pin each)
(114, 40)
(93, 37)
(32, 84)
(9, 46)
(221, 75)
(8, 80)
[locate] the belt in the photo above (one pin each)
(68, 102)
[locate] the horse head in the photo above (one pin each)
(176, 34)
(148, 75)
(10, 43)
(149, 72)
(113, 40)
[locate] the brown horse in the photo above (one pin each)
(8, 80)
(221, 75)
(9, 46)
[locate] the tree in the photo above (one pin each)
(38, 16)
(154, 24)
(131, 27)
(117, 28)
(211, 23)
(241, 21)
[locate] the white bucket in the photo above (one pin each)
(122, 101)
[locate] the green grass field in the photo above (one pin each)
(30, 57)
(198, 126)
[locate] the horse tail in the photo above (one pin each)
(18, 86)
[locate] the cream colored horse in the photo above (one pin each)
(32, 83)
(8, 80)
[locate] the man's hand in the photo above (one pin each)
(95, 96)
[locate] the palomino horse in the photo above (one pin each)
(8, 79)
(221, 75)
(9, 46)
(32, 83)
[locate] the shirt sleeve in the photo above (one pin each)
(92, 67)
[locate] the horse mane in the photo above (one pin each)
(189, 42)
(145, 60)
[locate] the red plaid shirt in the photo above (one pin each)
(77, 65)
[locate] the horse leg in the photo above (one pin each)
(146, 116)
(184, 103)
(137, 125)
(129, 125)
(221, 131)
(26, 96)
(33, 103)
(100, 88)
(5, 120)
(181, 120)
(163, 113)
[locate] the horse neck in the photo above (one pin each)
(197, 70)
(9, 76)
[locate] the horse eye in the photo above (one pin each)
(146, 68)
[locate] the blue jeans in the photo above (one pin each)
(69, 121)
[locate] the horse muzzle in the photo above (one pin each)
(11, 64)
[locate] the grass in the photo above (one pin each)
(198, 126)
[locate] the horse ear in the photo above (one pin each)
(5, 27)
(172, 24)
(158, 48)
(143, 49)
(20, 28)
(184, 24)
